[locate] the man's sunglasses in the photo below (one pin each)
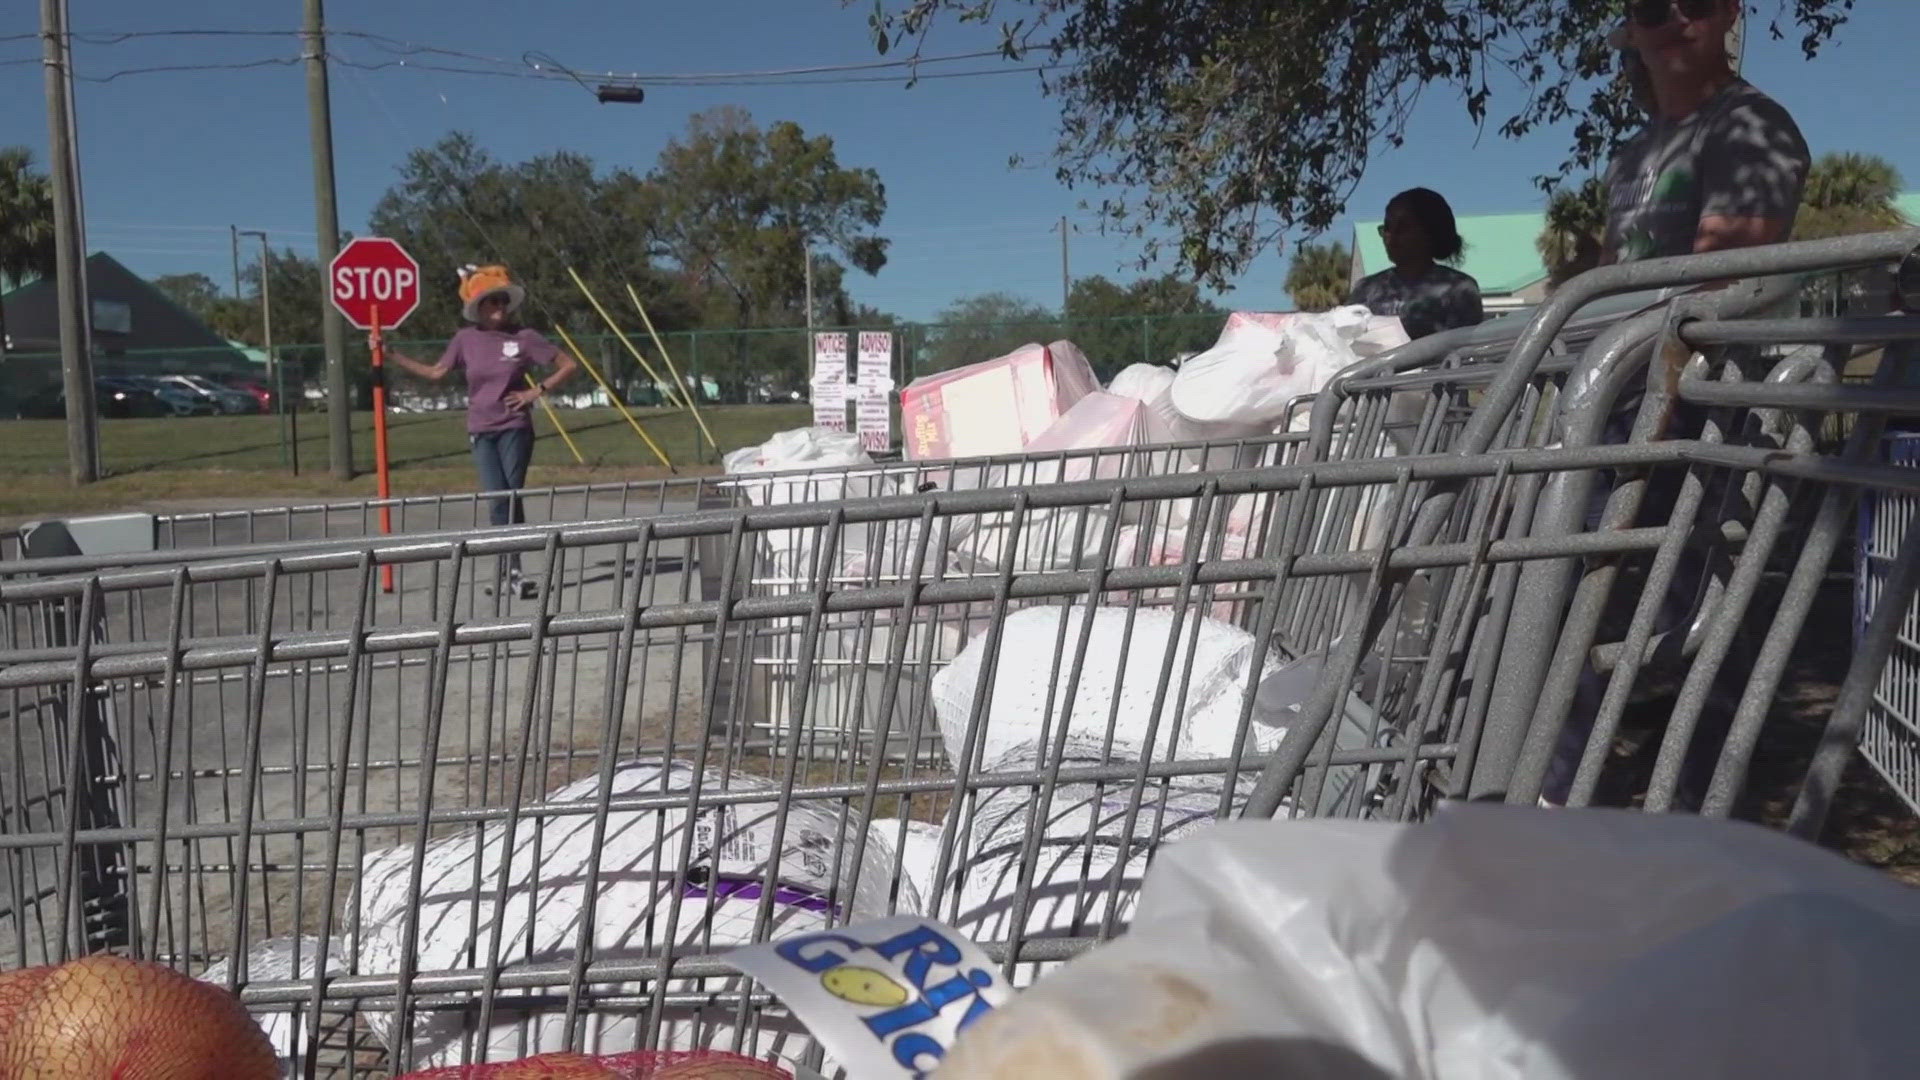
(1653, 13)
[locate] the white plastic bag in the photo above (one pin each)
(874, 551)
(1050, 539)
(639, 866)
(282, 959)
(1088, 861)
(1263, 362)
(801, 448)
(1123, 671)
(1491, 943)
(1152, 386)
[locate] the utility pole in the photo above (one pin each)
(806, 251)
(289, 422)
(70, 257)
(327, 223)
(1066, 286)
(234, 232)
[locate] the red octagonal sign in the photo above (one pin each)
(372, 276)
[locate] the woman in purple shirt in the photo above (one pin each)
(499, 358)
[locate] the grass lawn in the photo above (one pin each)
(221, 457)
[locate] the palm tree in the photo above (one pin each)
(1847, 194)
(1576, 227)
(26, 222)
(1319, 275)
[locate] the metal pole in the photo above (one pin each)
(1066, 286)
(327, 222)
(806, 250)
(289, 448)
(70, 260)
(233, 233)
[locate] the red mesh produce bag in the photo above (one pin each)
(107, 1016)
(639, 1065)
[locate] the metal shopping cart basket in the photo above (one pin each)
(401, 851)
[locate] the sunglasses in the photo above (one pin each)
(1654, 13)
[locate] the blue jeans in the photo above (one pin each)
(502, 457)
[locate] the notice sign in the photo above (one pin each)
(873, 403)
(830, 381)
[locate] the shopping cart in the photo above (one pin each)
(349, 815)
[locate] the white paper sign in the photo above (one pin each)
(885, 997)
(830, 381)
(873, 407)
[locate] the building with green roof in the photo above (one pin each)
(1501, 254)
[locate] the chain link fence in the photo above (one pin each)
(721, 366)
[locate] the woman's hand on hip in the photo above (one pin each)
(522, 400)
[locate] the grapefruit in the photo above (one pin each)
(109, 1017)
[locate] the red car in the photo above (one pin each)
(261, 393)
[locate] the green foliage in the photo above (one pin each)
(1226, 125)
(1575, 232)
(454, 205)
(982, 327)
(712, 235)
(1318, 278)
(735, 208)
(1847, 194)
(26, 221)
(231, 317)
(1150, 321)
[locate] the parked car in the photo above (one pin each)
(223, 399)
(118, 398)
(113, 398)
(260, 392)
(178, 400)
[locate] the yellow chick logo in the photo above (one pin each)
(864, 986)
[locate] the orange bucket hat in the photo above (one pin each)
(479, 282)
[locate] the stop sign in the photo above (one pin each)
(374, 275)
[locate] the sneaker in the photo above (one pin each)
(523, 588)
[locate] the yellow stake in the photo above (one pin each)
(617, 332)
(611, 396)
(685, 395)
(555, 417)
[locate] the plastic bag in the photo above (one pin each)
(1089, 858)
(867, 552)
(1125, 666)
(994, 407)
(282, 959)
(638, 1065)
(1491, 943)
(720, 897)
(801, 448)
(1049, 539)
(1264, 362)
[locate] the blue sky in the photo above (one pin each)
(171, 159)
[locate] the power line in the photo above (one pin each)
(540, 76)
(502, 66)
(277, 61)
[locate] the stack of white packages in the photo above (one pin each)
(720, 892)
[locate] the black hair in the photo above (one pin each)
(1430, 209)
